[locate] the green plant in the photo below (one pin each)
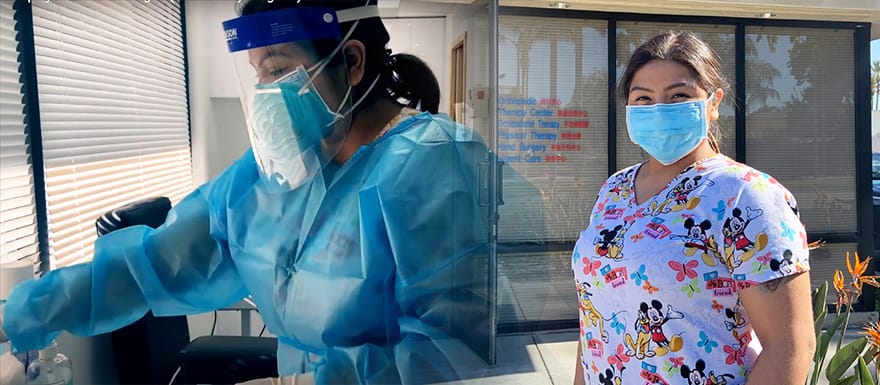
(855, 354)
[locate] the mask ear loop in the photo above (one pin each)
(342, 103)
(358, 102)
(326, 60)
(712, 98)
(712, 135)
(305, 88)
(323, 63)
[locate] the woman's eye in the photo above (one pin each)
(680, 96)
(277, 73)
(269, 76)
(642, 98)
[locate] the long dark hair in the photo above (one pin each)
(404, 78)
(686, 49)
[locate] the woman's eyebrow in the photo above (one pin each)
(667, 88)
(680, 84)
(272, 54)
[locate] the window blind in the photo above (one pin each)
(552, 122)
(114, 115)
(800, 114)
(18, 230)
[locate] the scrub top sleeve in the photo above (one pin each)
(762, 235)
(176, 269)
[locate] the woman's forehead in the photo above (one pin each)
(663, 73)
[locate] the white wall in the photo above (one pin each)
(425, 38)
(218, 130)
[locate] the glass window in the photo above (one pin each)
(825, 260)
(552, 120)
(800, 119)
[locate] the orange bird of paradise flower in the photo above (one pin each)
(840, 288)
(872, 334)
(846, 295)
(858, 270)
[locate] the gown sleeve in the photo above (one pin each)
(182, 267)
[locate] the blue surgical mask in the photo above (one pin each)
(290, 119)
(668, 132)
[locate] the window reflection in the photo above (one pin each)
(800, 119)
(553, 116)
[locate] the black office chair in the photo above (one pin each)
(153, 349)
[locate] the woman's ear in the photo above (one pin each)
(714, 107)
(355, 60)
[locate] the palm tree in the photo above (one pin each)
(875, 83)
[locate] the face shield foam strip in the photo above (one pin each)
(345, 15)
(358, 13)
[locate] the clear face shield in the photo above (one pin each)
(297, 105)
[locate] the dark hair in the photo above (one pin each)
(402, 77)
(686, 49)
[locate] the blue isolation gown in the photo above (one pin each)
(377, 275)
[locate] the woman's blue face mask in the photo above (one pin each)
(669, 132)
(290, 122)
(290, 119)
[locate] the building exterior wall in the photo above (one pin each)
(813, 10)
(799, 114)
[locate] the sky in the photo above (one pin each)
(875, 50)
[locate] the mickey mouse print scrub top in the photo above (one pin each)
(657, 282)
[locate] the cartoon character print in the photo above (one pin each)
(736, 240)
(698, 376)
(589, 312)
(679, 197)
(657, 320)
(611, 378)
(649, 328)
(785, 266)
(638, 348)
(623, 186)
(735, 320)
(609, 242)
(698, 239)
